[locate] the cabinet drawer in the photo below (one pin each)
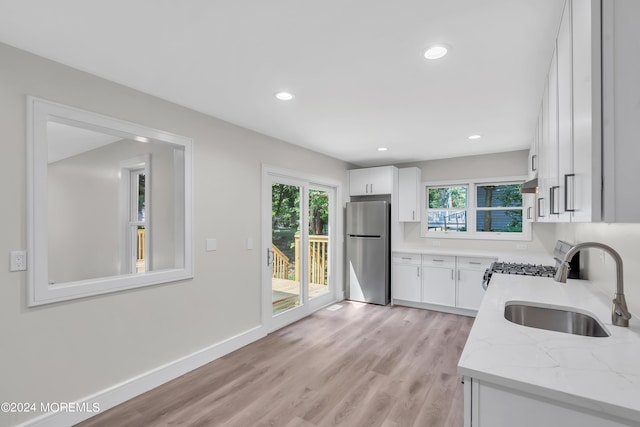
(439, 261)
(472, 263)
(401, 258)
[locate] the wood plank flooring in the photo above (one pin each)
(362, 365)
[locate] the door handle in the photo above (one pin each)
(540, 213)
(533, 163)
(566, 192)
(552, 196)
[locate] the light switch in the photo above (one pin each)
(249, 243)
(212, 245)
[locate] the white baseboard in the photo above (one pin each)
(119, 393)
(436, 307)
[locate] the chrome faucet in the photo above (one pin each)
(619, 313)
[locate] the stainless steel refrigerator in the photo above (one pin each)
(368, 252)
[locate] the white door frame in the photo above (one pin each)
(336, 292)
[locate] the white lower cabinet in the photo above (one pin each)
(406, 277)
(439, 282)
(469, 280)
(490, 405)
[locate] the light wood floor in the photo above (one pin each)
(362, 365)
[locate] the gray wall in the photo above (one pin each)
(65, 351)
(512, 163)
(83, 211)
(624, 238)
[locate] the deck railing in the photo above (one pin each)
(280, 264)
(318, 257)
(140, 264)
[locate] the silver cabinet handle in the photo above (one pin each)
(438, 260)
(418, 270)
(406, 257)
(529, 212)
(533, 163)
(413, 214)
(451, 274)
(474, 263)
(566, 192)
(371, 187)
(458, 275)
(552, 203)
(540, 213)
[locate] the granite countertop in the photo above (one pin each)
(598, 373)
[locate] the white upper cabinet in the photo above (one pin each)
(409, 194)
(587, 169)
(621, 118)
(371, 181)
(584, 187)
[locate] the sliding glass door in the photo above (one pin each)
(298, 217)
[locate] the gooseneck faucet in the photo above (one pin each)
(619, 313)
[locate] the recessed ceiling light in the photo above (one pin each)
(475, 136)
(284, 96)
(382, 149)
(436, 51)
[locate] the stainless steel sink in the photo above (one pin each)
(554, 319)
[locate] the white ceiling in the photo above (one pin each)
(65, 141)
(356, 67)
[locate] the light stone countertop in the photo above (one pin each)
(515, 256)
(602, 374)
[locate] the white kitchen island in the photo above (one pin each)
(517, 375)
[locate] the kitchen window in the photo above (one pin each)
(447, 208)
(475, 209)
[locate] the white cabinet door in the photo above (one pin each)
(469, 283)
(565, 113)
(620, 93)
(409, 194)
(370, 181)
(359, 180)
(498, 406)
(545, 152)
(439, 285)
(381, 180)
(406, 282)
(470, 291)
(586, 101)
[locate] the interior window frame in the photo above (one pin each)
(472, 233)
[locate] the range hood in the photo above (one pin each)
(530, 186)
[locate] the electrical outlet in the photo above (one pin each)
(521, 246)
(18, 261)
